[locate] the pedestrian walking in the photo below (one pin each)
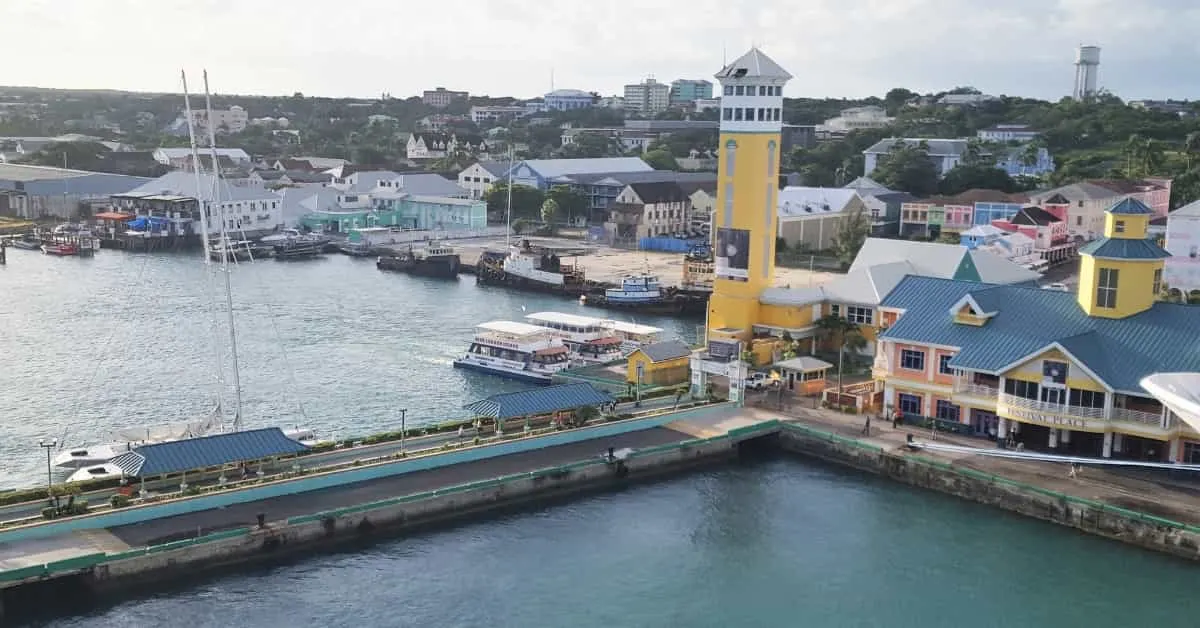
(866, 430)
(460, 433)
(897, 417)
(1074, 472)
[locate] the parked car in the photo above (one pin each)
(759, 381)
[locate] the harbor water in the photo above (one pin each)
(124, 340)
(120, 340)
(780, 543)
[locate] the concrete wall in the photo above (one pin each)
(221, 499)
(1108, 521)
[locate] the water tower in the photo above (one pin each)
(1087, 70)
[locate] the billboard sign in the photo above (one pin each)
(723, 349)
(732, 255)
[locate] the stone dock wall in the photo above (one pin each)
(1089, 516)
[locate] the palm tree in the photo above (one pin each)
(1191, 146)
(1133, 152)
(843, 334)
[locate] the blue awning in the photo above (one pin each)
(207, 451)
(539, 401)
(137, 223)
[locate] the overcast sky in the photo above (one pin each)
(834, 48)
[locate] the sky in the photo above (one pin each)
(834, 48)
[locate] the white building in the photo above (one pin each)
(1008, 133)
(809, 217)
(647, 98)
(704, 104)
(611, 102)
(480, 114)
(442, 97)
(438, 145)
(1183, 243)
(247, 211)
(182, 157)
(479, 177)
(644, 210)
(231, 120)
(856, 118)
(946, 154)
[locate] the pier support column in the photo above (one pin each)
(1108, 445)
(1053, 438)
(1118, 441)
(1001, 429)
(1064, 436)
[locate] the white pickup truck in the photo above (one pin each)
(758, 381)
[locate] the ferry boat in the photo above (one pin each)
(517, 351)
(589, 341)
(581, 329)
(432, 260)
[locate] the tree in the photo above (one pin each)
(526, 201)
(843, 335)
(518, 226)
(908, 169)
(549, 213)
(1191, 146)
(965, 177)
(896, 98)
(570, 202)
(660, 159)
(852, 231)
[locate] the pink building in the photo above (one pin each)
(1082, 205)
(1052, 239)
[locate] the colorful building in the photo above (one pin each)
(660, 364)
(1054, 370)
(404, 211)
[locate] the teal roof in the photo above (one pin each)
(207, 451)
(967, 271)
(1130, 206)
(1123, 248)
(1029, 320)
(539, 401)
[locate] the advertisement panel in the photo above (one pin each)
(1183, 243)
(723, 349)
(733, 254)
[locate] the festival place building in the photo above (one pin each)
(957, 336)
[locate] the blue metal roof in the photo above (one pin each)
(539, 401)
(1130, 206)
(1120, 248)
(207, 451)
(1028, 320)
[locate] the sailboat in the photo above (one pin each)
(128, 439)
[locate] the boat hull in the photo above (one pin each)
(494, 277)
(521, 376)
(676, 305)
(442, 266)
(299, 251)
(27, 245)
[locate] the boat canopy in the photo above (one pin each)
(169, 431)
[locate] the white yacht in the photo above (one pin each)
(580, 329)
(516, 350)
(96, 472)
(130, 438)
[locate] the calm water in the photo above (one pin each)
(781, 543)
(122, 340)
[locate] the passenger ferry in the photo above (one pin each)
(516, 350)
(579, 330)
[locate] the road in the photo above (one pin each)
(316, 461)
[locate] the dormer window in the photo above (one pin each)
(740, 90)
(728, 90)
(1119, 226)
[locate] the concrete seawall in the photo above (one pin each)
(310, 533)
(1127, 526)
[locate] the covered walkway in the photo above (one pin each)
(208, 451)
(539, 401)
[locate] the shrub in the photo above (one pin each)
(119, 501)
(50, 512)
(190, 491)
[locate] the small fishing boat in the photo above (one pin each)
(432, 260)
(60, 249)
(299, 249)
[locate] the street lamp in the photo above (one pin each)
(403, 417)
(49, 446)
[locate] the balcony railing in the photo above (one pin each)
(1136, 416)
(1052, 408)
(978, 390)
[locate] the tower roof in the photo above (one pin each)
(1130, 206)
(1132, 249)
(753, 64)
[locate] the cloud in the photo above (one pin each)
(510, 47)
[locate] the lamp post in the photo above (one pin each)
(403, 429)
(49, 446)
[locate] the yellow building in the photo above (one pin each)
(660, 364)
(1052, 370)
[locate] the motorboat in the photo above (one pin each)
(80, 457)
(27, 242)
(60, 249)
(515, 350)
(104, 471)
(131, 438)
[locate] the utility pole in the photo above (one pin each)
(403, 428)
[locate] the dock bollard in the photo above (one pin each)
(262, 520)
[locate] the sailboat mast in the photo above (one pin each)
(225, 254)
(204, 241)
(508, 210)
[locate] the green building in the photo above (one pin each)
(433, 213)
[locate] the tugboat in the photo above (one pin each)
(434, 260)
(526, 270)
(644, 293)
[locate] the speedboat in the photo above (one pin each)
(80, 457)
(60, 249)
(103, 471)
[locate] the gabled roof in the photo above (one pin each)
(937, 147)
(539, 401)
(1034, 216)
(494, 168)
(934, 259)
(1056, 199)
(659, 192)
(984, 231)
(1191, 210)
(207, 451)
(805, 202)
(668, 350)
(1129, 207)
(550, 168)
(867, 185)
(181, 183)
(753, 64)
(1029, 320)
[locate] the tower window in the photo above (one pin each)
(727, 113)
(737, 114)
(776, 115)
(728, 90)
(1119, 226)
(1106, 288)
(762, 90)
(740, 90)
(1157, 282)
(778, 90)
(762, 114)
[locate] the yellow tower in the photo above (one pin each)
(1121, 274)
(745, 217)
